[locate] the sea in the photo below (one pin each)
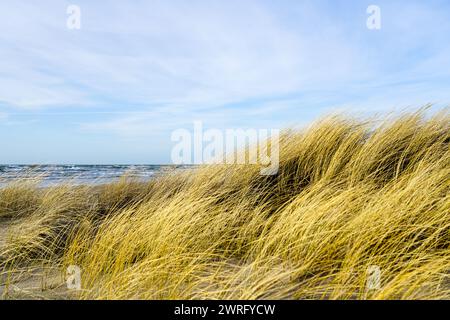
(50, 175)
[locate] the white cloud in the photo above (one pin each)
(162, 52)
(182, 60)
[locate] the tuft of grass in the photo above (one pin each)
(348, 195)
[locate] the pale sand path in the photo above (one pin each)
(31, 282)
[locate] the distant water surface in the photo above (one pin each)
(81, 174)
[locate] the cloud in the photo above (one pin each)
(141, 68)
(165, 53)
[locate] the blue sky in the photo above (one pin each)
(113, 91)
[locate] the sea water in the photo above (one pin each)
(81, 174)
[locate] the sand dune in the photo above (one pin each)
(349, 195)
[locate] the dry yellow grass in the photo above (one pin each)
(349, 194)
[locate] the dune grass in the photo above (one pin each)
(349, 194)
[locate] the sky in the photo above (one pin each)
(112, 91)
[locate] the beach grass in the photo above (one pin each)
(350, 194)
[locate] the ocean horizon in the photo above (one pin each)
(54, 174)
